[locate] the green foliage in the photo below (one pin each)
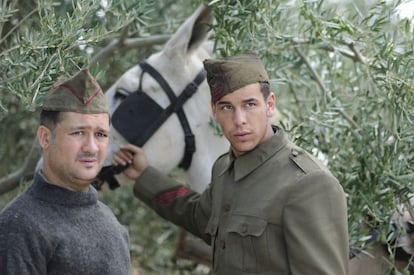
(32, 60)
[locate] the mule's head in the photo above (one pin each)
(178, 63)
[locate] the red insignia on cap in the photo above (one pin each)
(85, 101)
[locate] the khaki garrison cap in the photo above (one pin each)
(229, 74)
(80, 94)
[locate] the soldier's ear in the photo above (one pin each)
(271, 104)
(44, 136)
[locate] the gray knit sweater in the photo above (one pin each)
(51, 230)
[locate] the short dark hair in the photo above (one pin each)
(265, 88)
(50, 119)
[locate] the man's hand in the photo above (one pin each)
(132, 156)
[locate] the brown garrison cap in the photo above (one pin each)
(229, 74)
(80, 94)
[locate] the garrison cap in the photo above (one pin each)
(80, 93)
(229, 74)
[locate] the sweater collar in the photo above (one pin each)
(45, 191)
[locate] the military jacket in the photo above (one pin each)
(274, 210)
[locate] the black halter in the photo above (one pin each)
(176, 106)
(121, 120)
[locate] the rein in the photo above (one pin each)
(107, 173)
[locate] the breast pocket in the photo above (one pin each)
(247, 245)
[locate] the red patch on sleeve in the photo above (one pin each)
(169, 196)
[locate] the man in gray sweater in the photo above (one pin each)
(58, 225)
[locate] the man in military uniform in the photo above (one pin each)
(271, 207)
(58, 225)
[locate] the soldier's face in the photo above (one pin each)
(245, 117)
(74, 153)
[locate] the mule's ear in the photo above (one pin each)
(191, 34)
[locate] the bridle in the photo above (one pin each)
(176, 107)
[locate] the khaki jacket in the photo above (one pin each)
(274, 210)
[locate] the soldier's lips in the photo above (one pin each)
(242, 136)
(88, 162)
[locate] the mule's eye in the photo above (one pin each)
(121, 93)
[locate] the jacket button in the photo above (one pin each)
(244, 228)
(222, 244)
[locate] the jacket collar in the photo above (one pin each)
(247, 163)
